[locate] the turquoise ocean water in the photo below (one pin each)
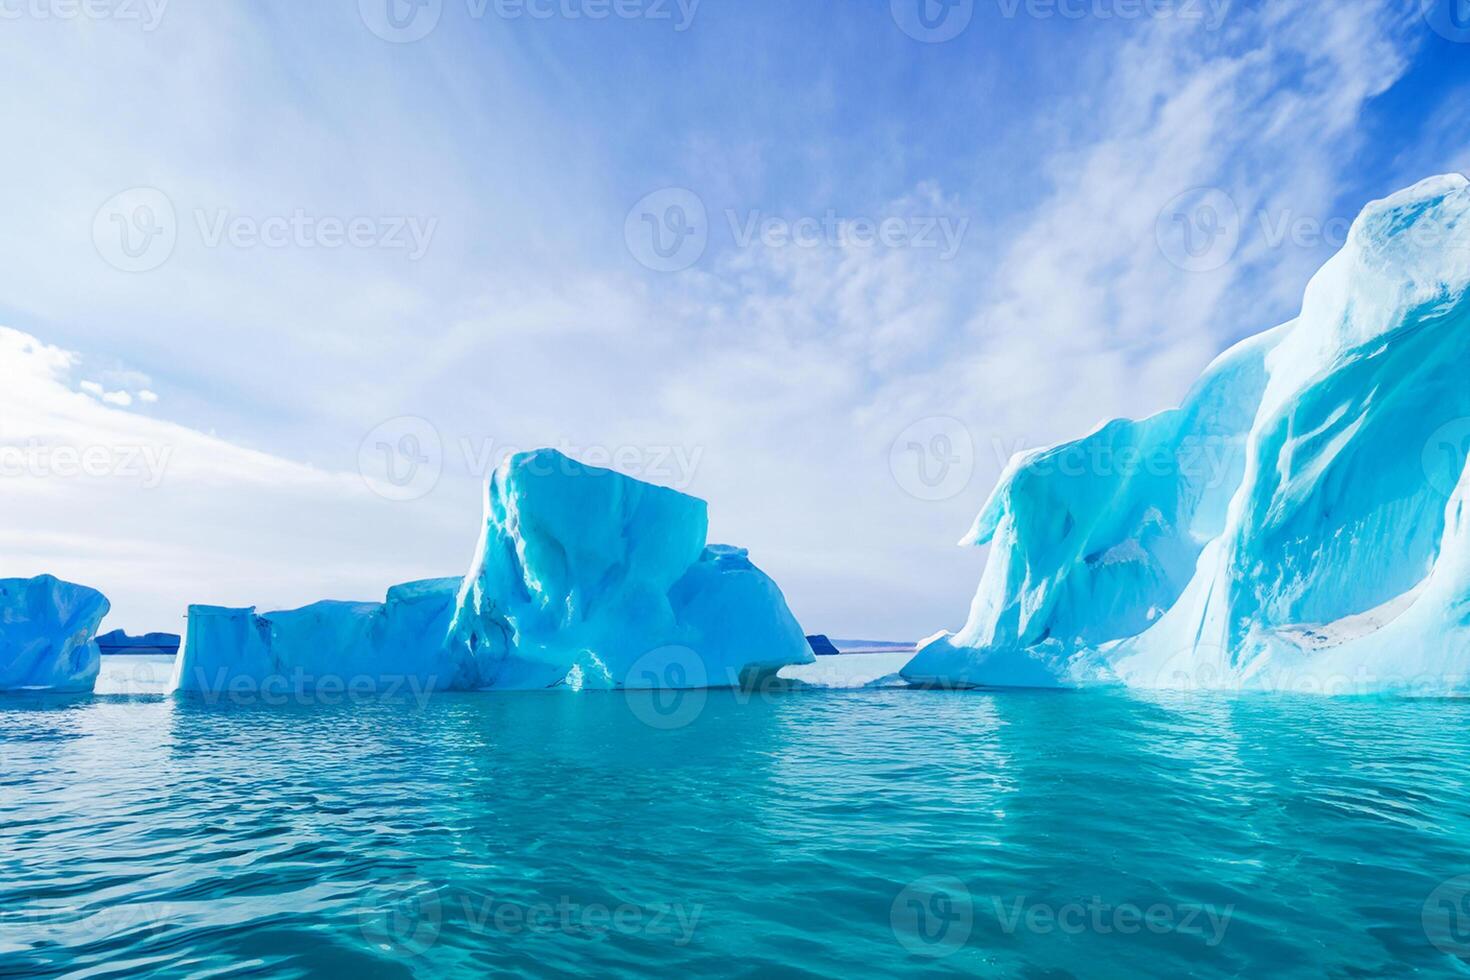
(817, 833)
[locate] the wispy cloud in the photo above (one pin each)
(787, 372)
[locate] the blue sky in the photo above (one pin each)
(1034, 173)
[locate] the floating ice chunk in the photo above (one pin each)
(326, 646)
(580, 567)
(48, 631)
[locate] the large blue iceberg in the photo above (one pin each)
(583, 577)
(588, 576)
(48, 631)
(1298, 524)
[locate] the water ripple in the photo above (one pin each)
(801, 833)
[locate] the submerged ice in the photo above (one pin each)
(582, 576)
(48, 635)
(1298, 523)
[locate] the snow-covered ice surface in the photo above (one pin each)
(48, 634)
(582, 577)
(1299, 523)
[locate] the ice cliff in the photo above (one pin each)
(48, 632)
(582, 576)
(1298, 523)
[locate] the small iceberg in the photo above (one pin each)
(48, 631)
(822, 646)
(118, 644)
(343, 646)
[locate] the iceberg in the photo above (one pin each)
(822, 645)
(119, 643)
(48, 632)
(357, 646)
(582, 577)
(585, 576)
(1299, 523)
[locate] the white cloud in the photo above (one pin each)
(158, 515)
(788, 372)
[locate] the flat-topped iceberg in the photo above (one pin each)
(361, 646)
(582, 577)
(119, 643)
(1299, 523)
(48, 631)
